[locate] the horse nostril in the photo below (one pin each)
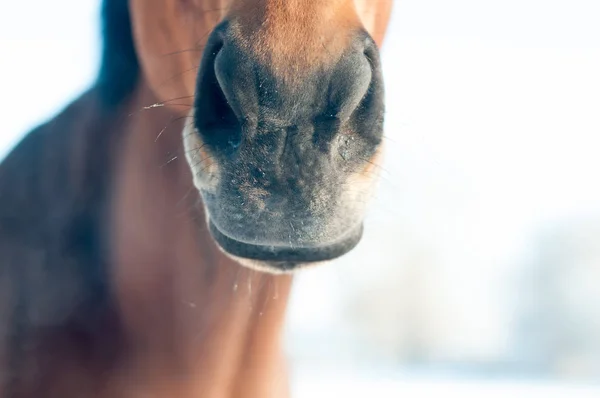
(351, 85)
(354, 79)
(215, 116)
(365, 99)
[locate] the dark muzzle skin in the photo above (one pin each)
(280, 160)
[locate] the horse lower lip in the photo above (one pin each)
(286, 253)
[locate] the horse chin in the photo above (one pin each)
(283, 259)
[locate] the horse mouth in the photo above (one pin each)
(282, 259)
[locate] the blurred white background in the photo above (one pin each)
(479, 272)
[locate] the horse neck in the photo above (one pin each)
(185, 306)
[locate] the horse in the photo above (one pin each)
(150, 231)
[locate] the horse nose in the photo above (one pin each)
(282, 137)
(241, 92)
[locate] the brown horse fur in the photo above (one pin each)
(111, 283)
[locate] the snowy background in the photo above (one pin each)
(479, 273)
